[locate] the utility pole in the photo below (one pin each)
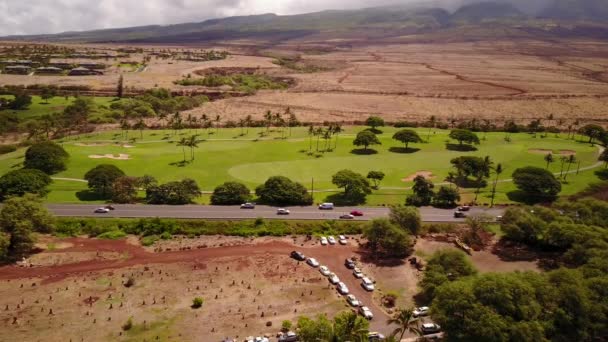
(312, 190)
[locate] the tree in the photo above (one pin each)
(444, 266)
(101, 178)
(366, 138)
(21, 101)
(140, 125)
(406, 218)
(376, 177)
(592, 131)
(5, 240)
(423, 192)
(406, 322)
(386, 239)
(464, 135)
(349, 326)
(536, 182)
(446, 197)
(120, 87)
(570, 160)
(21, 240)
(310, 330)
(497, 172)
(124, 189)
(230, 193)
(467, 166)
(20, 182)
(407, 136)
(47, 94)
(356, 187)
(280, 190)
(183, 143)
(604, 157)
(28, 208)
(47, 157)
(481, 174)
(374, 122)
(173, 193)
(549, 159)
(146, 181)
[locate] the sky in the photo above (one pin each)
(55, 16)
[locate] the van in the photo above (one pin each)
(326, 206)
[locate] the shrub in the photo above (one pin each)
(112, 235)
(286, 325)
(128, 324)
(230, 193)
(130, 282)
(197, 302)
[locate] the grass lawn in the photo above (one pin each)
(40, 107)
(227, 155)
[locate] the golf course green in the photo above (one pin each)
(252, 155)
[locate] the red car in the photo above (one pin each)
(356, 213)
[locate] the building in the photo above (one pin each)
(49, 70)
(80, 71)
(17, 69)
(61, 65)
(92, 65)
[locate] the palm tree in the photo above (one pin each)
(140, 125)
(311, 132)
(217, 122)
(162, 116)
(497, 172)
(318, 133)
(483, 173)
(183, 143)
(571, 160)
(406, 321)
(248, 122)
(327, 137)
(549, 159)
(204, 119)
(242, 125)
(192, 142)
(563, 159)
(432, 121)
(268, 119)
(337, 131)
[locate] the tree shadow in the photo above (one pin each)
(374, 130)
(367, 257)
(340, 200)
(460, 148)
(529, 199)
(468, 183)
(602, 174)
(364, 152)
(89, 196)
(510, 251)
(404, 150)
(181, 163)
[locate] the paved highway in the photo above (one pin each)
(235, 213)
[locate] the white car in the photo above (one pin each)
(332, 240)
(333, 278)
(353, 301)
(326, 206)
(323, 241)
(366, 312)
(324, 271)
(342, 240)
(342, 288)
(375, 336)
(102, 210)
(421, 311)
(430, 328)
(312, 262)
(283, 211)
(367, 284)
(357, 273)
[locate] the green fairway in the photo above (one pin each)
(40, 107)
(226, 155)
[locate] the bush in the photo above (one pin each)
(280, 190)
(113, 235)
(536, 182)
(20, 182)
(4, 149)
(130, 282)
(149, 240)
(286, 325)
(128, 324)
(197, 302)
(47, 157)
(230, 193)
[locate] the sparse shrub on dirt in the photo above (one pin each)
(113, 235)
(128, 324)
(286, 325)
(197, 302)
(130, 282)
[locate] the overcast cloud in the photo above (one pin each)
(54, 16)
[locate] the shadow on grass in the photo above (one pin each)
(340, 200)
(181, 163)
(89, 196)
(529, 199)
(602, 174)
(403, 150)
(460, 148)
(364, 152)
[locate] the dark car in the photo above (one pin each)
(464, 208)
(349, 263)
(459, 214)
(298, 256)
(110, 207)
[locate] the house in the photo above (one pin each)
(80, 71)
(61, 65)
(49, 70)
(17, 69)
(92, 65)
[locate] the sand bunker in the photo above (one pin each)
(425, 174)
(128, 146)
(90, 144)
(547, 151)
(110, 156)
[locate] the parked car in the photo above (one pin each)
(333, 278)
(349, 263)
(356, 213)
(110, 207)
(421, 311)
(326, 206)
(323, 241)
(283, 211)
(357, 273)
(102, 211)
(430, 328)
(324, 271)
(289, 336)
(298, 256)
(347, 217)
(464, 208)
(342, 288)
(459, 214)
(332, 240)
(312, 262)
(353, 301)
(375, 336)
(248, 206)
(498, 218)
(366, 312)
(367, 284)
(342, 240)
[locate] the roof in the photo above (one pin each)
(49, 69)
(80, 69)
(17, 67)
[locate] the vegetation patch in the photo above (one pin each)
(248, 83)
